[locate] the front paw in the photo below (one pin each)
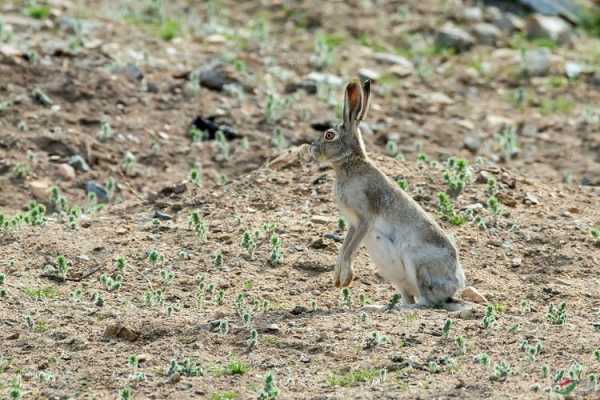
(343, 274)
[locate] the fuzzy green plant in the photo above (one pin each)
(447, 327)
(346, 297)
(249, 243)
(276, 255)
(595, 236)
(483, 359)
(199, 226)
(375, 339)
(489, 317)
(394, 302)
(196, 176)
(457, 174)
(557, 315)
(270, 390)
(447, 211)
(187, 367)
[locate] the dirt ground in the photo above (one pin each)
(104, 81)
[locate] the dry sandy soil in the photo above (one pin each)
(184, 297)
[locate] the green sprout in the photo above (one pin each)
(483, 359)
(199, 225)
(248, 243)
(394, 301)
(217, 259)
(447, 326)
(457, 175)
(270, 390)
(446, 209)
(346, 299)
(375, 339)
(489, 317)
(186, 368)
(557, 315)
(276, 249)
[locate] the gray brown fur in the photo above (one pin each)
(383, 215)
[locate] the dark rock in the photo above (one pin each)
(131, 71)
(99, 190)
(472, 143)
(487, 34)
(173, 189)
(119, 331)
(161, 216)
(210, 127)
(537, 62)
(546, 27)
(79, 163)
(298, 310)
(452, 37)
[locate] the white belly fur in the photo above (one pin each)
(388, 246)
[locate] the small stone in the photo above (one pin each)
(119, 331)
(66, 172)
(486, 33)
(516, 262)
(472, 14)
(366, 73)
(161, 216)
(548, 27)
(393, 59)
(304, 358)
(320, 220)
(318, 244)
(272, 329)
(472, 143)
(131, 71)
(439, 98)
(471, 294)
(466, 314)
(99, 190)
(79, 163)
(401, 71)
(327, 79)
(537, 62)
(40, 189)
(573, 70)
(531, 199)
(453, 37)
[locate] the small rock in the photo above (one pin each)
(453, 37)
(320, 220)
(298, 310)
(119, 331)
(215, 75)
(318, 244)
(327, 79)
(99, 190)
(537, 62)
(401, 71)
(131, 71)
(393, 59)
(66, 172)
(161, 216)
(472, 14)
(467, 314)
(272, 329)
(472, 143)
(573, 70)
(438, 98)
(79, 163)
(169, 190)
(486, 33)
(333, 236)
(548, 27)
(531, 199)
(471, 294)
(304, 358)
(40, 189)
(366, 73)
(516, 262)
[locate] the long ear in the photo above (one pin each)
(366, 87)
(353, 101)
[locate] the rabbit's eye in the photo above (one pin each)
(330, 135)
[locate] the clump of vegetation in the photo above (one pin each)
(595, 236)
(507, 143)
(375, 339)
(276, 249)
(270, 390)
(457, 175)
(37, 11)
(199, 226)
(186, 368)
(249, 243)
(354, 377)
(557, 315)
(169, 30)
(447, 326)
(346, 299)
(3, 291)
(489, 318)
(446, 209)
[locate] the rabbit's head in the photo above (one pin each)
(344, 140)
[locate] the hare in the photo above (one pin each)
(407, 246)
